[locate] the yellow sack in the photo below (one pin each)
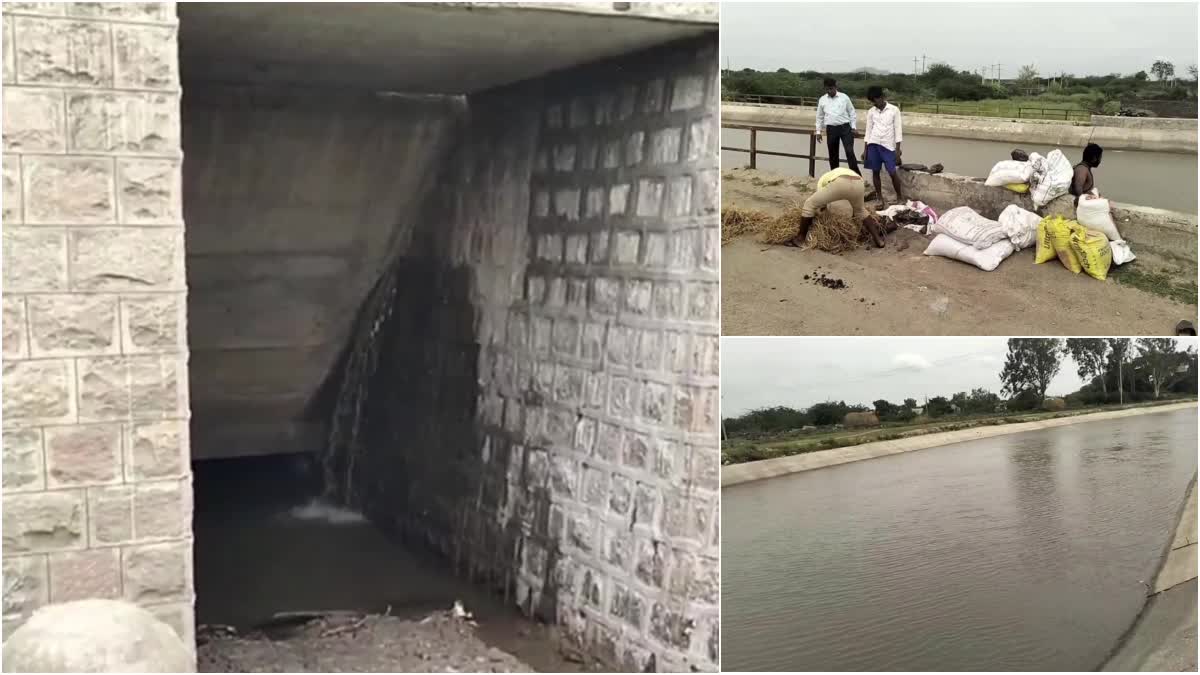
(1045, 247)
(1054, 239)
(1093, 251)
(1021, 188)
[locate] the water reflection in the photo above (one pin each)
(1022, 552)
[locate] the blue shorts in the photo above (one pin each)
(878, 156)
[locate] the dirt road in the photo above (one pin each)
(771, 290)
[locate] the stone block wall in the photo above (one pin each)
(621, 309)
(96, 485)
(582, 208)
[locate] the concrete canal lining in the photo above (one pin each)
(1163, 636)
(1177, 136)
(736, 474)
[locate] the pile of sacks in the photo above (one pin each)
(966, 236)
(1079, 248)
(1044, 178)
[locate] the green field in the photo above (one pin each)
(736, 450)
(1024, 108)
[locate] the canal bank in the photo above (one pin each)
(1163, 637)
(1150, 134)
(736, 474)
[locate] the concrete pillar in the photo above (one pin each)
(97, 489)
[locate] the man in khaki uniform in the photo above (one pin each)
(837, 185)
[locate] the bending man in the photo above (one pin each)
(838, 185)
(836, 117)
(883, 137)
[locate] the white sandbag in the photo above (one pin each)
(1051, 177)
(1008, 172)
(986, 259)
(967, 226)
(1121, 253)
(1094, 213)
(1020, 226)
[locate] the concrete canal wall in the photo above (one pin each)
(736, 474)
(1179, 563)
(1163, 636)
(1114, 133)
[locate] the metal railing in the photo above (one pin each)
(755, 151)
(1019, 111)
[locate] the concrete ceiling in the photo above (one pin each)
(432, 48)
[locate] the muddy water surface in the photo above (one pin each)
(265, 545)
(1022, 552)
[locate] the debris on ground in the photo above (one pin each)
(823, 279)
(736, 222)
(355, 642)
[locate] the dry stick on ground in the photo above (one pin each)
(347, 628)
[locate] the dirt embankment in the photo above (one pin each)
(769, 290)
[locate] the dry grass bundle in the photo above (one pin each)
(736, 222)
(831, 231)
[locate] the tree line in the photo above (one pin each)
(944, 81)
(1114, 370)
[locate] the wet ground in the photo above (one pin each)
(267, 546)
(764, 291)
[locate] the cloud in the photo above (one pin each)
(911, 361)
(987, 358)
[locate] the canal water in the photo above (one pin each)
(1021, 552)
(267, 544)
(1158, 179)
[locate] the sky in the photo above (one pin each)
(1093, 38)
(798, 372)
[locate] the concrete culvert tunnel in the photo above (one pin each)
(452, 319)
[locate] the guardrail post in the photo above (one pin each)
(812, 155)
(753, 148)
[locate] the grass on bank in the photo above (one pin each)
(1024, 108)
(740, 449)
(1172, 284)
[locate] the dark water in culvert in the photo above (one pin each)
(1021, 552)
(267, 543)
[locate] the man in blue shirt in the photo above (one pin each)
(837, 120)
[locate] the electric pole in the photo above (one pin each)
(1120, 389)
(922, 64)
(915, 66)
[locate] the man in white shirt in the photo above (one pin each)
(836, 118)
(884, 133)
